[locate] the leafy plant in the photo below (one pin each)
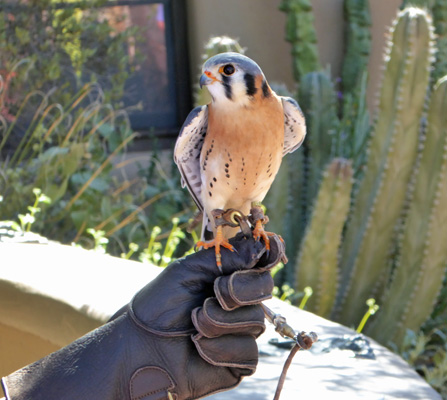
(372, 309)
(72, 152)
(68, 45)
(427, 354)
(11, 228)
(154, 252)
(100, 241)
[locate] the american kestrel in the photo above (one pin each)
(229, 151)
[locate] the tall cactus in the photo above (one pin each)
(355, 124)
(300, 32)
(318, 101)
(392, 154)
(439, 11)
(317, 263)
(417, 279)
(358, 43)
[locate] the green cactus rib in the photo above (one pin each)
(319, 104)
(317, 264)
(417, 279)
(300, 32)
(358, 43)
(391, 154)
(354, 129)
(294, 220)
(439, 11)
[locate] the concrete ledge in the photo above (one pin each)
(336, 375)
(51, 294)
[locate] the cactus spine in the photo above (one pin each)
(317, 264)
(417, 279)
(392, 153)
(300, 32)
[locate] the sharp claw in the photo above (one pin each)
(267, 252)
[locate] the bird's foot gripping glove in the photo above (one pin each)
(258, 219)
(188, 333)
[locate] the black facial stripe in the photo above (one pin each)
(227, 86)
(250, 84)
(265, 89)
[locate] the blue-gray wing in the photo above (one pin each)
(187, 151)
(294, 125)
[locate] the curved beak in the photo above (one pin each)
(206, 78)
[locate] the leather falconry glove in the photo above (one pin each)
(187, 334)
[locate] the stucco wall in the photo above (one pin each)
(259, 26)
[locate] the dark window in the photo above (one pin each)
(157, 94)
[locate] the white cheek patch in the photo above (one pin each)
(216, 90)
(239, 96)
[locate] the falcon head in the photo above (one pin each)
(233, 79)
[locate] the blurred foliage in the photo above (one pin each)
(71, 155)
(57, 47)
(63, 66)
(426, 352)
(67, 44)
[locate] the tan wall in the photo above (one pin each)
(260, 26)
(19, 348)
(33, 325)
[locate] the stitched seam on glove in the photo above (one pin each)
(220, 298)
(247, 324)
(232, 324)
(226, 324)
(149, 393)
(142, 325)
(195, 338)
(243, 302)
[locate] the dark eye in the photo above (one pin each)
(228, 69)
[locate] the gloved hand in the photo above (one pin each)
(187, 334)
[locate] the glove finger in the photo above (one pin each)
(228, 351)
(276, 254)
(188, 282)
(243, 288)
(212, 321)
